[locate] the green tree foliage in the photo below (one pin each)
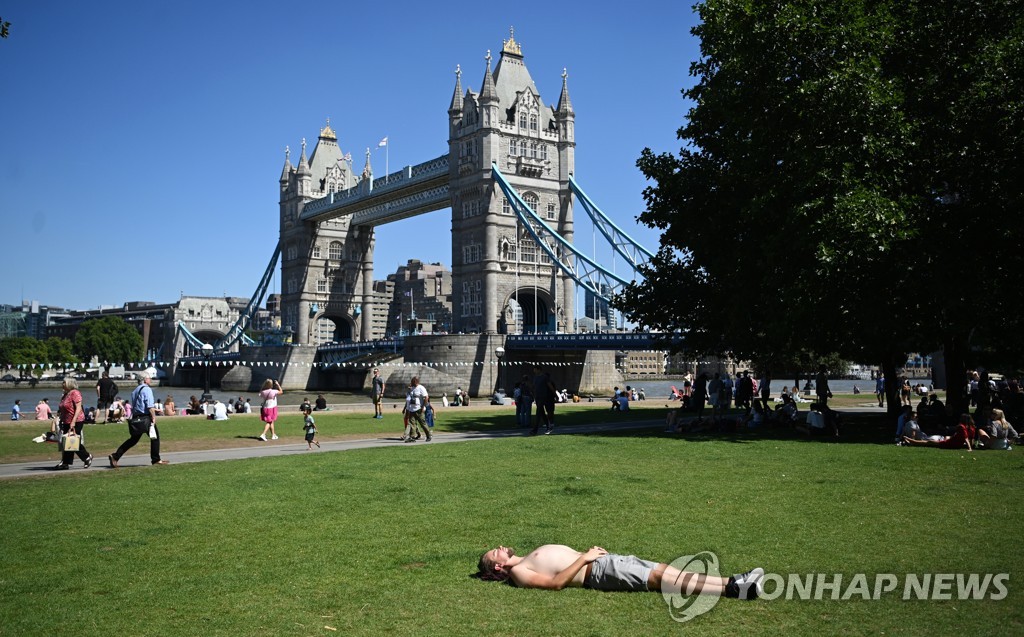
(22, 350)
(59, 351)
(850, 181)
(110, 339)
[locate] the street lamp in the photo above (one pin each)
(207, 354)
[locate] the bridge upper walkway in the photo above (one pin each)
(409, 192)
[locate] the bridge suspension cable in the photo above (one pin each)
(578, 266)
(634, 253)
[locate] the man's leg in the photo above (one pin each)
(686, 582)
(133, 439)
(154, 446)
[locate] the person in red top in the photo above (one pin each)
(962, 437)
(71, 416)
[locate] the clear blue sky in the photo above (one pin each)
(141, 143)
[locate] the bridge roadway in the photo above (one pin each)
(336, 352)
(412, 191)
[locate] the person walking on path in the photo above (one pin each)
(142, 422)
(309, 425)
(416, 402)
(268, 412)
(377, 387)
(880, 389)
(71, 418)
(16, 410)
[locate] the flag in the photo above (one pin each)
(347, 157)
(382, 143)
(408, 292)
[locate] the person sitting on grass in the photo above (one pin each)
(321, 403)
(962, 436)
(556, 566)
(1000, 431)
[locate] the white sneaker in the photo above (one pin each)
(749, 584)
(263, 438)
(274, 437)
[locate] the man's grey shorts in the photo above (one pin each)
(619, 573)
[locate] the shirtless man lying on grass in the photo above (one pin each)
(555, 566)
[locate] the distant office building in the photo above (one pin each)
(28, 319)
(601, 314)
(421, 301)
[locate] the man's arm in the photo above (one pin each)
(527, 578)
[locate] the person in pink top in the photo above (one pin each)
(268, 412)
(71, 419)
(43, 410)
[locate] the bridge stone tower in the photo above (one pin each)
(326, 268)
(501, 280)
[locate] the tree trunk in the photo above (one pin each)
(954, 357)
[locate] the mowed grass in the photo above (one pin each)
(383, 541)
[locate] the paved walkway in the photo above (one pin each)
(45, 467)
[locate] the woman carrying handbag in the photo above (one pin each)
(71, 418)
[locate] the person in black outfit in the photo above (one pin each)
(106, 391)
(544, 395)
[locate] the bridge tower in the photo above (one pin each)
(327, 267)
(501, 280)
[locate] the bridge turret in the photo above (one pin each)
(566, 119)
(303, 174)
(455, 110)
(286, 172)
(489, 99)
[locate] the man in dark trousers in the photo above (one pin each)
(544, 396)
(106, 391)
(143, 416)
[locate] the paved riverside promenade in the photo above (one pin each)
(45, 467)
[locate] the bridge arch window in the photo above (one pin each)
(321, 285)
(531, 200)
(543, 151)
(334, 251)
(522, 119)
(551, 211)
(506, 208)
(316, 251)
(533, 121)
(293, 286)
(513, 148)
(528, 251)
(293, 252)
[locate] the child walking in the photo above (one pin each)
(310, 426)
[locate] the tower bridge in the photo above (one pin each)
(507, 178)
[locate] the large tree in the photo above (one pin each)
(110, 339)
(825, 197)
(22, 351)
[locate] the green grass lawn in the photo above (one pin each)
(383, 541)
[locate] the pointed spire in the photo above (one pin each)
(367, 170)
(456, 106)
(327, 132)
(564, 104)
(287, 170)
(487, 93)
(303, 162)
